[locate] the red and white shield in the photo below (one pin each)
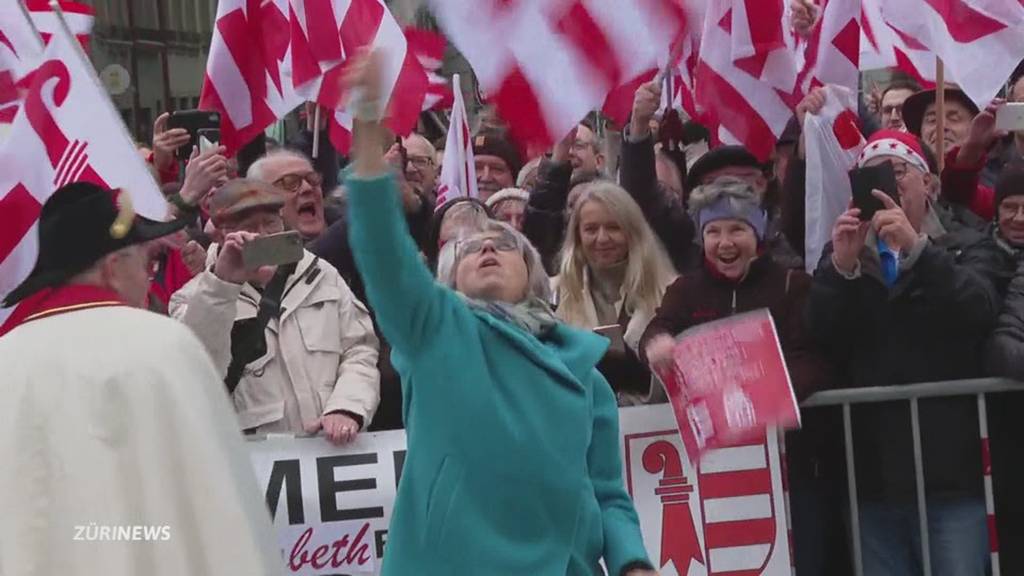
(724, 517)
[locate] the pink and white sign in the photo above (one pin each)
(729, 382)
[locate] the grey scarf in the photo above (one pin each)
(532, 315)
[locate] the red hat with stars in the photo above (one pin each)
(902, 145)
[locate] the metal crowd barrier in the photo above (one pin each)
(913, 393)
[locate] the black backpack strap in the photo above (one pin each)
(269, 307)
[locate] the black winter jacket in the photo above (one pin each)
(929, 326)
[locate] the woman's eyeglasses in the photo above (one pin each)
(292, 182)
(503, 243)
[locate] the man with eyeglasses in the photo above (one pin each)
(421, 168)
(296, 348)
(900, 298)
(293, 174)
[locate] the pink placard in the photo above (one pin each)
(729, 382)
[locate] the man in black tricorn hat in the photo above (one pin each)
(120, 451)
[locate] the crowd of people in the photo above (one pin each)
(394, 293)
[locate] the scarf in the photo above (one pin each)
(532, 315)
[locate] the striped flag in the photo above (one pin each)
(832, 54)
(746, 75)
(964, 34)
(428, 47)
(546, 65)
(458, 169)
(79, 18)
(269, 56)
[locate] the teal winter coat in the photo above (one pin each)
(513, 464)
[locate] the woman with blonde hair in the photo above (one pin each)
(614, 273)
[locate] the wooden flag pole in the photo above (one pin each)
(940, 113)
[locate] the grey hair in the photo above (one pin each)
(538, 285)
(736, 190)
(258, 169)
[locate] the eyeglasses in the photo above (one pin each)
(292, 182)
(421, 161)
(503, 243)
(899, 169)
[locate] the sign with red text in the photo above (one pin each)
(729, 381)
(332, 505)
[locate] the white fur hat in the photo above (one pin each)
(507, 194)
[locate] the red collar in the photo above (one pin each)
(53, 301)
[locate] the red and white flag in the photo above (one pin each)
(882, 46)
(67, 130)
(746, 77)
(833, 142)
(832, 53)
(79, 18)
(458, 168)
(428, 47)
(268, 57)
(979, 41)
(369, 23)
(547, 64)
(20, 54)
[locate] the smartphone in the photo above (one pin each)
(1010, 117)
(614, 333)
(864, 180)
(193, 121)
(208, 138)
(273, 250)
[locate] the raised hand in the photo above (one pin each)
(848, 236)
(166, 142)
(645, 103)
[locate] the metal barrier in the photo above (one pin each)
(912, 393)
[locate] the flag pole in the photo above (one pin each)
(316, 132)
(31, 24)
(91, 72)
(940, 112)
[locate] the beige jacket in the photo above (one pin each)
(321, 352)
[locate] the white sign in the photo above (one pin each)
(332, 505)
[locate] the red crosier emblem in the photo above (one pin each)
(69, 158)
(679, 543)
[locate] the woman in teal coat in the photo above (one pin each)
(513, 464)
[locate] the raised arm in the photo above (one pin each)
(407, 302)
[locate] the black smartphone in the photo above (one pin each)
(273, 250)
(863, 180)
(193, 121)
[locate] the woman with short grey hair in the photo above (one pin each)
(513, 462)
(538, 283)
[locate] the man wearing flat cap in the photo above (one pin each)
(118, 454)
(295, 348)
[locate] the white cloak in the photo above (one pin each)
(112, 418)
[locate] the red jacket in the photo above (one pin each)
(961, 185)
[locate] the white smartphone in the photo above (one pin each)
(614, 333)
(208, 138)
(1010, 117)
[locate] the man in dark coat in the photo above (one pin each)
(914, 308)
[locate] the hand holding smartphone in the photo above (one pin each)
(194, 121)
